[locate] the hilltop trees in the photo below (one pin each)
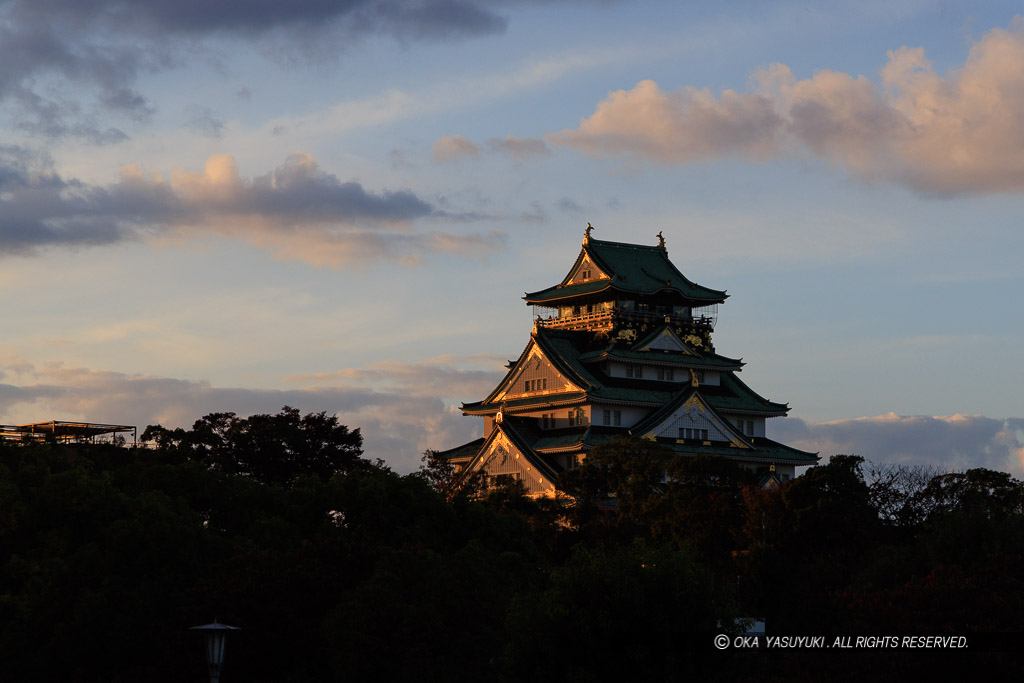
(271, 449)
(107, 555)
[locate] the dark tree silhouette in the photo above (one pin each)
(272, 449)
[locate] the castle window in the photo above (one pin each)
(636, 371)
(666, 374)
(546, 421)
(612, 417)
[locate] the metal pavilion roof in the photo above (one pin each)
(65, 431)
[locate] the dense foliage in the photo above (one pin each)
(336, 568)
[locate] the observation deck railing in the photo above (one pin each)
(618, 317)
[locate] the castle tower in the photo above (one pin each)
(621, 346)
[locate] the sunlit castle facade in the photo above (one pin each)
(621, 346)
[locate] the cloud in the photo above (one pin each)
(956, 442)
(104, 45)
(53, 51)
(298, 210)
(454, 147)
(405, 408)
(680, 127)
(568, 205)
(445, 377)
(519, 149)
(961, 132)
(399, 419)
(203, 121)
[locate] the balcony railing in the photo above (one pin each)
(618, 317)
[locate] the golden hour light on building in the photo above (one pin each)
(621, 347)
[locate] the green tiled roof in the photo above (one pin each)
(466, 450)
(563, 349)
(708, 361)
(633, 268)
(764, 449)
(539, 400)
(734, 395)
(565, 439)
(729, 397)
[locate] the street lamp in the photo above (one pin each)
(216, 634)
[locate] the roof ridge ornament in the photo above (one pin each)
(586, 233)
(661, 241)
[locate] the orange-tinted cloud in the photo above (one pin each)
(961, 132)
(298, 210)
(676, 127)
(449, 148)
(454, 147)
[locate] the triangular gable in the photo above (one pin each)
(501, 457)
(696, 415)
(584, 270)
(533, 375)
(664, 340)
(769, 482)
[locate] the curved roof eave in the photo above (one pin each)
(633, 269)
(561, 293)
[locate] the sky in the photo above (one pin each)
(337, 206)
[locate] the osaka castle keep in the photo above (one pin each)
(621, 346)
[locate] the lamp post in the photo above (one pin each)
(216, 634)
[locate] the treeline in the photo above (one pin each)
(336, 568)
